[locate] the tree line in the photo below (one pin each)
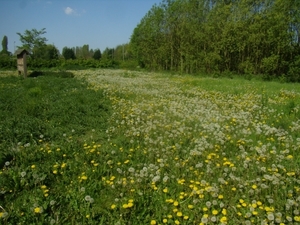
(192, 36)
(240, 36)
(43, 55)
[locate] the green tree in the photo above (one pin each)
(4, 46)
(97, 54)
(85, 52)
(33, 40)
(46, 52)
(108, 53)
(68, 53)
(244, 36)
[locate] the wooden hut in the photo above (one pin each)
(21, 61)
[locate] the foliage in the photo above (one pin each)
(7, 62)
(32, 39)
(46, 52)
(83, 52)
(4, 46)
(68, 53)
(108, 53)
(97, 54)
(258, 37)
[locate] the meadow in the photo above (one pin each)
(129, 147)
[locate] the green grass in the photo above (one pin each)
(45, 121)
(129, 147)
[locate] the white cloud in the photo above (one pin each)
(69, 11)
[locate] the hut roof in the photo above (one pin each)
(20, 51)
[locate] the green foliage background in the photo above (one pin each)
(245, 37)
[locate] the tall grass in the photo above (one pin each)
(123, 147)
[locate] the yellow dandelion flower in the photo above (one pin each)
(130, 204)
(290, 174)
(37, 210)
(125, 206)
(54, 171)
(269, 209)
(259, 203)
(297, 218)
(165, 220)
(254, 186)
(33, 166)
(153, 222)
(215, 212)
(165, 190)
(176, 203)
(83, 177)
(220, 197)
(224, 212)
(179, 214)
(201, 196)
(113, 206)
(190, 206)
(43, 186)
(177, 222)
(170, 200)
(186, 217)
(223, 219)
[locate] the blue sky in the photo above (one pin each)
(71, 23)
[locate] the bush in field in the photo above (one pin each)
(7, 62)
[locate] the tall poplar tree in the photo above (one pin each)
(4, 45)
(242, 36)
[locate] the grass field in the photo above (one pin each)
(124, 147)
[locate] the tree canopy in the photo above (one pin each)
(68, 53)
(245, 36)
(4, 46)
(97, 54)
(32, 39)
